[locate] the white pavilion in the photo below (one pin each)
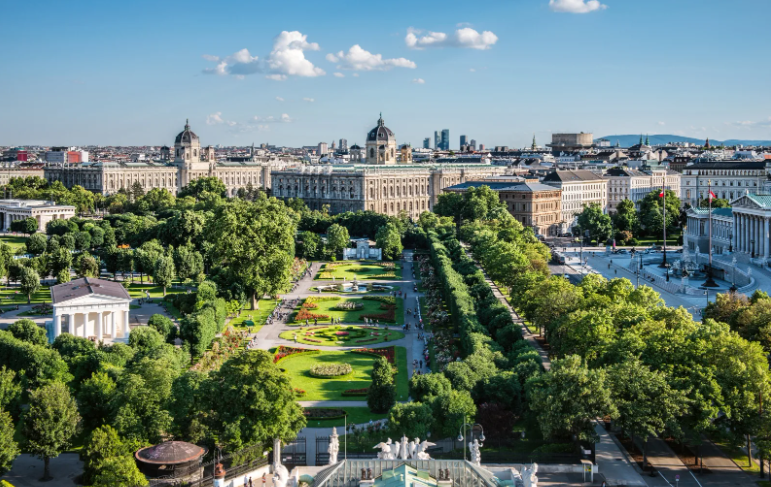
(91, 308)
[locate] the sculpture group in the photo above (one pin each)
(404, 449)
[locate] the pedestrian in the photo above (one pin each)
(421, 364)
(264, 479)
(250, 482)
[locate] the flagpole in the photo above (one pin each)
(664, 226)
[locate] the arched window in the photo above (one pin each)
(372, 153)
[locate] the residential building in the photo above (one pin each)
(532, 203)
(579, 189)
(635, 184)
(729, 179)
(323, 149)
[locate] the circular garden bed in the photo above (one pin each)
(332, 336)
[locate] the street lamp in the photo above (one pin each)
(668, 266)
(731, 242)
(733, 287)
(460, 435)
(752, 244)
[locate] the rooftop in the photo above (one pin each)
(572, 176)
(524, 187)
(86, 286)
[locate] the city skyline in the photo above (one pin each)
(299, 82)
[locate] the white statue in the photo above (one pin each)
(422, 455)
(334, 447)
(385, 450)
(403, 448)
(476, 455)
(749, 272)
(412, 448)
(395, 450)
(280, 473)
(529, 475)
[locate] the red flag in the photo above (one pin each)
(711, 195)
(661, 195)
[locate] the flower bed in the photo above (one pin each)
(304, 314)
(342, 333)
(330, 370)
(356, 392)
(388, 352)
(324, 413)
(299, 392)
(367, 340)
(389, 315)
(382, 299)
(283, 352)
(348, 306)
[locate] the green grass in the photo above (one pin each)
(137, 290)
(353, 416)
(14, 296)
(15, 242)
(323, 336)
(370, 307)
(331, 389)
(258, 316)
(361, 270)
(738, 456)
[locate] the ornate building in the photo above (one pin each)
(381, 185)
(190, 161)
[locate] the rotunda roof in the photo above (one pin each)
(186, 135)
(381, 133)
(170, 453)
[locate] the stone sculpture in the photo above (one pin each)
(476, 455)
(334, 447)
(280, 472)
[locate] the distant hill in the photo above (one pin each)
(662, 139)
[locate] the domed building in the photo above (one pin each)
(381, 144)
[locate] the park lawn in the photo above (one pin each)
(14, 295)
(137, 290)
(353, 416)
(361, 270)
(323, 336)
(738, 456)
(370, 307)
(15, 242)
(331, 389)
(258, 316)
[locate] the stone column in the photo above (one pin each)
(99, 327)
(112, 325)
(765, 238)
(57, 325)
(85, 325)
(71, 323)
(125, 324)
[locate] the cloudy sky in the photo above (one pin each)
(299, 72)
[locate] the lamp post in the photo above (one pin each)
(462, 430)
(730, 242)
(733, 287)
(752, 245)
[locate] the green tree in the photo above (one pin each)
(63, 276)
(97, 237)
(9, 449)
(29, 331)
(61, 260)
(30, 225)
(652, 212)
(163, 273)
(337, 238)
(200, 187)
(256, 242)
(716, 203)
(10, 390)
(37, 243)
(145, 338)
(425, 386)
(645, 401)
(108, 461)
(389, 240)
(88, 267)
(568, 398)
(593, 221)
(450, 411)
(162, 325)
(413, 419)
(188, 262)
(312, 246)
(253, 402)
(382, 392)
(82, 240)
(198, 330)
(625, 218)
(30, 282)
(95, 399)
(50, 422)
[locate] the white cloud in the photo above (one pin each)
(288, 57)
(419, 81)
(339, 75)
(662, 123)
(239, 64)
(750, 123)
(464, 38)
(472, 70)
(278, 98)
(309, 100)
(576, 6)
(358, 59)
(284, 118)
(216, 119)
(355, 75)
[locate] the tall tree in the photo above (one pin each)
(337, 238)
(382, 392)
(108, 461)
(253, 402)
(389, 240)
(37, 243)
(88, 267)
(9, 449)
(50, 423)
(256, 241)
(625, 218)
(28, 331)
(164, 272)
(596, 223)
(652, 212)
(30, 282)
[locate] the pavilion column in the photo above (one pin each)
(125, 323)
(765, 238)
(99, 327)
(85, 325)
(745, 232)
(71, 323)
(57, 325)
(112, 325)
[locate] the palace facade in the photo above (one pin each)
(190, 161)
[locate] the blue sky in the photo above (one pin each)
(131, 72)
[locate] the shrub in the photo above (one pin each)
(348, 306)
(324, 413)
(330, 370)
(304, 314)
(388, 352)
(356, 392)
(283, 352)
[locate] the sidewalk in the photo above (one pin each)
(614, 463)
